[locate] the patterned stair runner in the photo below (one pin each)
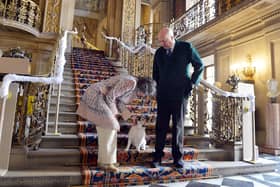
(89, 67)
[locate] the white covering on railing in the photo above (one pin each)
(225, 93)
(56, 79)
(134, 49)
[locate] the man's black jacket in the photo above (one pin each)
(172, 72)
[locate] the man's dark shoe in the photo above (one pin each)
(179, 164)
(155, 163)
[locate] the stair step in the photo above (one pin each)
(63, 127)
(65, 99)
(71, 176)
(63, 116)
(66, 85)
(72, 140)
(53, 157)
(63, 107)
(67, 73)
(65, 92)
(90, 139)
(60, 141)
(43, 158)
(53, 177)
(132, 156)
(68, 78)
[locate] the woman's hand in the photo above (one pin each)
(119, 117)
(133, 120)
(126, 114)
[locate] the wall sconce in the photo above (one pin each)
(249, 70)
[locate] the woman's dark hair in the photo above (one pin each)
(146, 85)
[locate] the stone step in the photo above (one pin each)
(60, 141)
(65, 99)
(74, 140)
(72, 127)
(65, 92)
(71, 176)
(63, 116)
(132, 156)
(53, 157)
(65, 86)
(63, 127)
(63, 107)
(60, 176)
(68, 78)
(68, 73)
(43, 158)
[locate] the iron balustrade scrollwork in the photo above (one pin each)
(25, 12)
(201, 13)
(227, 119)
(198, 15)
(147, 33)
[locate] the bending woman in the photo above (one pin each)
(103, 102)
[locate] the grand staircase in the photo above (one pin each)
(69, 158)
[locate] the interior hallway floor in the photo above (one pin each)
(271, 179)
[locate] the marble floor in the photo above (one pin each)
(271, 179)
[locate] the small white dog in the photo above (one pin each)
(137, 137)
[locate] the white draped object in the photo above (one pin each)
(134, 49)
(57, 78)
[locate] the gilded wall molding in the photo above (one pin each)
(52, 16)
(129, 21)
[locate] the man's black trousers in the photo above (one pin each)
(166, 110)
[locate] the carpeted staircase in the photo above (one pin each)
(69, 159)
(90, 66)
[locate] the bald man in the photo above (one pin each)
(171, 71)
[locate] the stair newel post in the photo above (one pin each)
(253, 109)
(201, 111)
(255, 156)
(110, 47)
(3, 103)
(57, 110)
(48, 109)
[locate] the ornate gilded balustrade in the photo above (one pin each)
(147, 33)
(25, 12)
(198, 15)
(137, 60)
(201, 13)
(138, 64)
(227, 119)
(232, 116)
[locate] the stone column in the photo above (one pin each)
(8, 109)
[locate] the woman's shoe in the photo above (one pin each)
(112, 167)
(117, 164)
(109, 167)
